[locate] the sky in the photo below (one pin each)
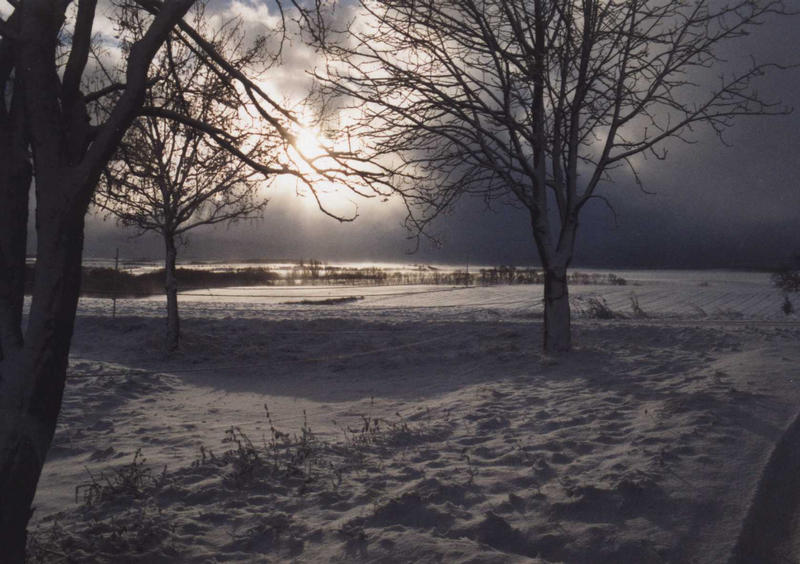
(709, 205)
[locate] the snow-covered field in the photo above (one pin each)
(420, 424)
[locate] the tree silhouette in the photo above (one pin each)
(51, 132)
(537, 102)
(168, 177)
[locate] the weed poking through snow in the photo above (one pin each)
(134, 480)
(298, 465)
(636, 308)
(597, 308)
(788, 306)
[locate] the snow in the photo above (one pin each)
(645, 444)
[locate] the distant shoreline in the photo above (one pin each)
(126, 262)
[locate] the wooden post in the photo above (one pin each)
(114, 285)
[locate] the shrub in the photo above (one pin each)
(787, 307)
(787, 280)
(134, 480)
(597, 308)
(291, 459)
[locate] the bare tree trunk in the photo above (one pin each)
(18, 471)
(557, 331)
(557, 326)
(15, 182)
(171, 287)
(32, 377)
(13, 223)
(18, 478)
(67, 162)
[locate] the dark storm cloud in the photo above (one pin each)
(712, 205)
(717, 205)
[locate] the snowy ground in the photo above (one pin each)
(421, 424)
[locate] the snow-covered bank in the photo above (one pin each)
(434, 429)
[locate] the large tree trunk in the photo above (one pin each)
(15, 183)
(171, 287)
(20, 442)
(32, 377)
(19, 471)
(557, 326)
(68, 159)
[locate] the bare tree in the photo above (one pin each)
(47, 113)
(46, 123)
(170, 178)
(538, 102)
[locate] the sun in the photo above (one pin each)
(308, 151)
(309, 144)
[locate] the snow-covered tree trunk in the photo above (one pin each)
(171, 287)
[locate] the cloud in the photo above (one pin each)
(713, 205)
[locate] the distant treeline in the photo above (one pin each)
(313, 272)
(108, 282)
(512, 275)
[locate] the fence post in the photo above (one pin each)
(114, 285)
